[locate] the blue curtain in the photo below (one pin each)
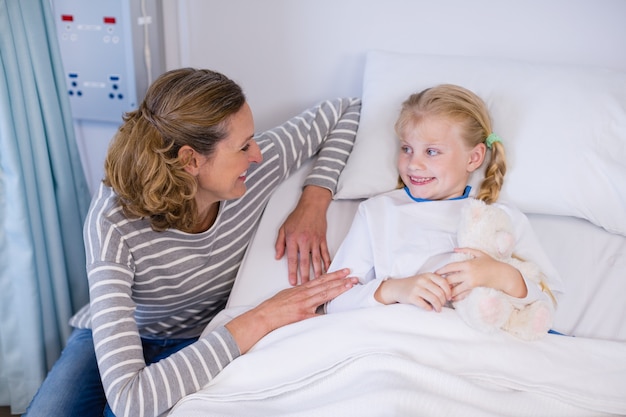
(43, 202)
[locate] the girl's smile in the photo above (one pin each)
(434, 162)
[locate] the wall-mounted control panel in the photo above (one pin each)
(111, 51)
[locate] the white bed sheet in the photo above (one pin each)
(405, 361)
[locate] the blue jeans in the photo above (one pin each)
(73, 387)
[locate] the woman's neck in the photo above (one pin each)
(207, 217)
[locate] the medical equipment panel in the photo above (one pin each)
(111, 51)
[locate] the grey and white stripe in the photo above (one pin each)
(170, 284)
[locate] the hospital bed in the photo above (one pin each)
(564, 128)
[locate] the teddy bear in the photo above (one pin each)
(488, 228)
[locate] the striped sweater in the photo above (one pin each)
(170, 284)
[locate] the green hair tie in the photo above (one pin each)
(491, 139)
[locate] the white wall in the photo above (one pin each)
(288, 54)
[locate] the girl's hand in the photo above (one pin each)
(288, 306)
(481, 270)
(427, 290)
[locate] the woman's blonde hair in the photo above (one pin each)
(462, 106)
(182, 107)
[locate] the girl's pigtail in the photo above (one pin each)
(494, 174)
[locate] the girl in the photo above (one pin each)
(401, 243)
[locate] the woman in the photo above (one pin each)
(186, 182)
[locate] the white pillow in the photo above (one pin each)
(564, 130)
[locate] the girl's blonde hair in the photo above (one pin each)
(466, 108)
(182, 107)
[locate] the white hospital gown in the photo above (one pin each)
(394, 236)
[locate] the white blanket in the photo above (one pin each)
(401, 360)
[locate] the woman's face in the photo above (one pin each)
(222, 175)
(434, 162)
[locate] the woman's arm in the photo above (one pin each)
(306, 228)
(134, 388)
(288, 306)
(327, 130)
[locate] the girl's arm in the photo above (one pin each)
(426, 290)
(356, 253)
(529, 279)
(481, 270)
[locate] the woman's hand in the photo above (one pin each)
(303, 235)
(481, 270)
(427, 290)
(288, 306)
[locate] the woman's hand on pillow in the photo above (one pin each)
(303, 236)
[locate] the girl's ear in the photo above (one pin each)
(189, 157)
(477, 156)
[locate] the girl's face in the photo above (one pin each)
(222, 175)
(434, 162)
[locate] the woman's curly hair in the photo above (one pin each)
(182, 107)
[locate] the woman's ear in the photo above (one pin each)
(189, 158)
(477, 156)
